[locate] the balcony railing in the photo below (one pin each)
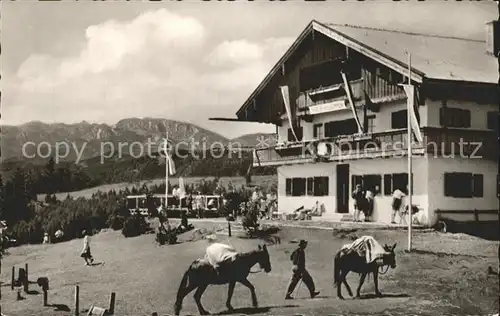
(330, 94)
(436, 141)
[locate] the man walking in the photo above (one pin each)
(299, 272)
(85, 254)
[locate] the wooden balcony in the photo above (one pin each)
(436, 142)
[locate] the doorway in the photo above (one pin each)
(343, 188)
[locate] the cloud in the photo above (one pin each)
(158, 64)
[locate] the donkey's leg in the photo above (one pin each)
(230, 291)
(347, 284)
(249, 285)
(342, 279)
(361, 281)
(375, 280)
(181, 294)
(197, 298)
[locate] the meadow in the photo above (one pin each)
(263, 181)
(445, 274)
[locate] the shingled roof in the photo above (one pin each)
(438, 57)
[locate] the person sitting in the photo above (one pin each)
(184, 226)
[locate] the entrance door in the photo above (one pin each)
(343, 188)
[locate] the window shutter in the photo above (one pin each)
(387, 184)
(466, 118)
(288, 187)
(442, 117)
(448, 179)
(477, 185)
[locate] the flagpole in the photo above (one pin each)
(409, 157)
(166, 172)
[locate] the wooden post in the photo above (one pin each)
(77, 300)
(229, 228)
(13, 279)
(45, 294)
(111, 309)
(26, 280)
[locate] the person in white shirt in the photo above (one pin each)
(397, 200)
(369, 204)
(86, 255)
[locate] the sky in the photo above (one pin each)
(185, 60)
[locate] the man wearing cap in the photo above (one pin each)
(299, 271)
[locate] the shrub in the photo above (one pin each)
(135, 226)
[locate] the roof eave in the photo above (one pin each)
(386, 60)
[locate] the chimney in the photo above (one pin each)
(493, 38)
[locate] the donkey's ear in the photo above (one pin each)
(394, 246)
(264, 247)
(260, 247)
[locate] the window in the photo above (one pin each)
(298, 132)
(320, 186)
(318, 131)
(399, 119)
(288, 191)
(370, 128)
(463, 185)
(344, 127)
(298, 186)
(356, 179)
(454, 117)
(492, 120)
(371, 181)
(310, 186)
(396, 181)
(324, 75)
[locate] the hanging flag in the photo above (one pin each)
(286, 100)
(415, 127)
(171, 164)
(351, 102)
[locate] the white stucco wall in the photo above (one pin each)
(479, 112)
(437, 200)
(382, 208)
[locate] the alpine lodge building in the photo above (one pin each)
(340, 113)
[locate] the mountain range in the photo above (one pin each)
(87, 140)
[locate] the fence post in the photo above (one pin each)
(229, 228)
(13, 279)
(111, 309)
(26, 268)
(77, 300)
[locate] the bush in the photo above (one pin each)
(135, 226)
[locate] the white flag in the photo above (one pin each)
(351, 102)
(415, 127)
(286, 100)
(171, 164)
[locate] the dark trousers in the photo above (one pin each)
(300, 274)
